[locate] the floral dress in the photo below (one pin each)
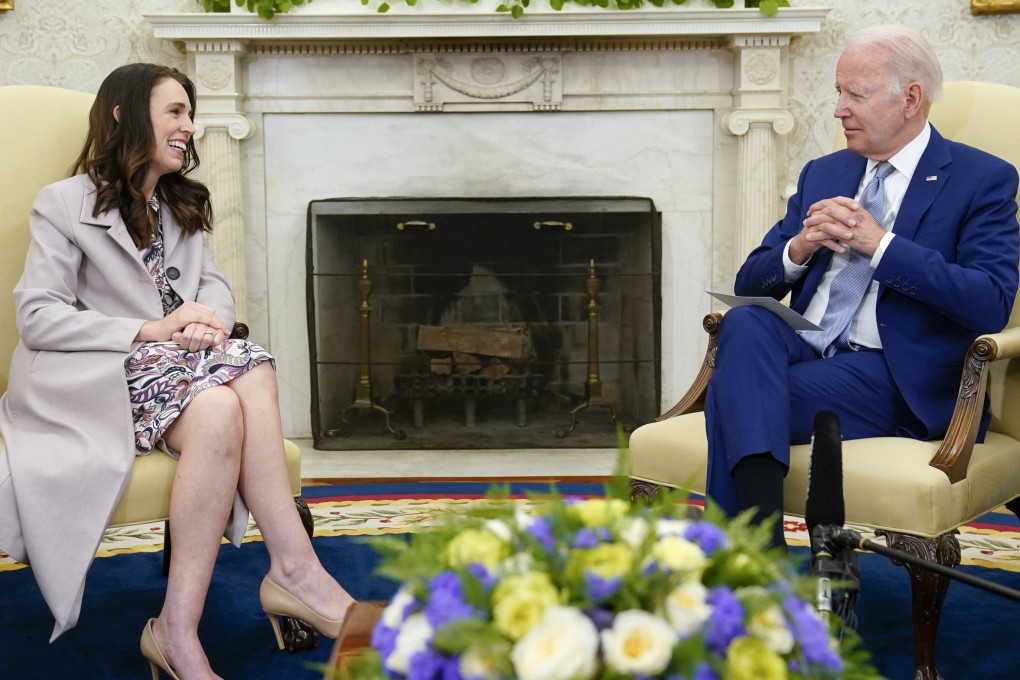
(162, 377)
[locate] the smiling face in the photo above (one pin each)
(172, 129)
(877, 120)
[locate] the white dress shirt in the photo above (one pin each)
(864, 329)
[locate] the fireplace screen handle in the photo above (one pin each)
(416, 223)
(567, 226)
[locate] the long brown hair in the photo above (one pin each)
(116, 154)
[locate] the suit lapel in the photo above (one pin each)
(171, 232)
(929, 178)
(116, 229)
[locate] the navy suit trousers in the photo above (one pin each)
(767, 386)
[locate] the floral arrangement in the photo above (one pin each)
(600, 588)
(267, 9)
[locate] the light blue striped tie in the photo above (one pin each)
(851, 283)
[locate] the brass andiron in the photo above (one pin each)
(593, 385)
(363, 399)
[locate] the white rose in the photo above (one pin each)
(414, 635)
(518, 563)
(686, 609)
(770, 627)
(393, 615)
(670, 527)
(638, 643)
(523, 517)
(499, 529)
(633, 531)
(561, 646)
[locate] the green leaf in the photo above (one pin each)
(383, 8)
(768, 7)
(516, 11)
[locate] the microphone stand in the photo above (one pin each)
(852, 539)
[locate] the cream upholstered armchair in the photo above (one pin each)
(915, 493)
(42, 130)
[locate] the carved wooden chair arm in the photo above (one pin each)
(953, 455)
(239, 331)
(694, 400)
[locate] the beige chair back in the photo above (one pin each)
(986, 116)
(42, 130)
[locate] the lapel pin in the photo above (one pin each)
(931, 178)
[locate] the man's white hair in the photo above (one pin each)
(911, 57)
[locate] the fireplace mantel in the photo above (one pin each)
(251, 74)
(478, 23)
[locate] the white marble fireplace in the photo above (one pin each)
(686, 106)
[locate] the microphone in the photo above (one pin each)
(834, 563)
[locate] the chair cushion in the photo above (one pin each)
(887, 482)
(147, 497)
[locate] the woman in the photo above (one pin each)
(124, 324)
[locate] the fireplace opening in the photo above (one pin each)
(482, 323)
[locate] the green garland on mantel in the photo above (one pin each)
(267, 9)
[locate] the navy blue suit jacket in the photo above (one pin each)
(949, 276)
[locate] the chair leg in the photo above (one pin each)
(306, 515)
(928, 592)
(1014, 506)
(165, 569)
(643, 491)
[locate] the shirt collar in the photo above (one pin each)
(906, 159)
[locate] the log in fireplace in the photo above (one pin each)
(482, 323)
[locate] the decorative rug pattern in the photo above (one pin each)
(992, 541)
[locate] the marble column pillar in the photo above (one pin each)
(221, 125)
(759, 116)
(221, 158)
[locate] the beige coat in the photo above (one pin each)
(66, 418)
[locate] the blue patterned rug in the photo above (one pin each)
(124, 588)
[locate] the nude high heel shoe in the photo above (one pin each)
(150, 650)
(278, 602)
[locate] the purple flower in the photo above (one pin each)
(384, 639)
(482, 574)
(431, 665)
(707, 535)
(586, 538)
(541, 532)
(602, 618)
(600, 588)
(811, 633)
(446, 600)
(726, 621)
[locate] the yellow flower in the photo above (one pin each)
(519, 601)
(679, 555)
(600, 512)
(750, 659)
(474, 545)
(607, 560)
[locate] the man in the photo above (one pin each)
(903, 249)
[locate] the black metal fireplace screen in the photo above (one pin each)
(482, 323)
